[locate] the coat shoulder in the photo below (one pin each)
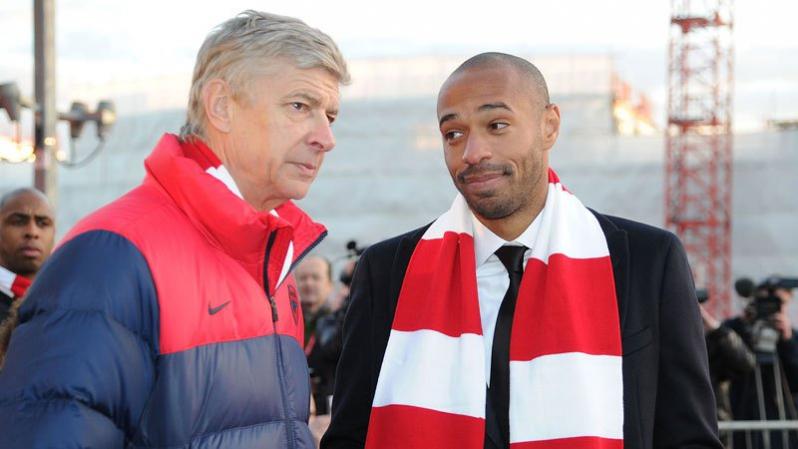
(386, 249)
(638, 234)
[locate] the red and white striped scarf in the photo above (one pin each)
(566, 382)
(12, 284)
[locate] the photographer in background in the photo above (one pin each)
(323, 323)
(766, 393)
(729, 358)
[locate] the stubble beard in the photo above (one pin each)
(498, 204)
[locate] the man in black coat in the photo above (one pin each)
(498, 126)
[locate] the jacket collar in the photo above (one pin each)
(226, 220)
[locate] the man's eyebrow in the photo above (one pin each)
(310, 99)
(21, 215)
(496, 105)
(446, 118)
(313, 102)
(484, 107)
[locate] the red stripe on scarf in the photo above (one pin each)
(449, 313)
(20, 286)
(553, 323)
(405, 427)
(571, 443)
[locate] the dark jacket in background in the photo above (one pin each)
(743, 394)
(323, 358)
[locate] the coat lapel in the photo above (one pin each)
(400, 263)
(618, 245)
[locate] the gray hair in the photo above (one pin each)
(229, 50)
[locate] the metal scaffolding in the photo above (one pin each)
(698, 169)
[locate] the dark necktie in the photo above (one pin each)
(499, 390)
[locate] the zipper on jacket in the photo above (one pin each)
(294, 263)
(307, 250)
(278, 348)
(272, 302)
(289, 415)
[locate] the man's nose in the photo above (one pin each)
(322, 137)
(476, 149)
(32, 231)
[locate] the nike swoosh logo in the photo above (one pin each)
(217, 309)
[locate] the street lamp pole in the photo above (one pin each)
(45, 174)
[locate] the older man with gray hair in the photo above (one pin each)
(169, 318)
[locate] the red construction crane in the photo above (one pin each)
(698, 167)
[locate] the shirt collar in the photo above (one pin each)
(194, 148)
(486, 242)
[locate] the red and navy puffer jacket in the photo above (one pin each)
(166, 319)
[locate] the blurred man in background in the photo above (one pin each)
(315, 285)
(27, 233)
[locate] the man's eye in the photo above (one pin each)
(451, 135)
(498, 125)
(16, 220)
(299, 106)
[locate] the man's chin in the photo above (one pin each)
(490, 208)
(27, 269)
(297, 190)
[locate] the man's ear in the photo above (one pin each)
(551, 125)
(217, 100)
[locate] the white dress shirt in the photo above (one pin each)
(493, 279)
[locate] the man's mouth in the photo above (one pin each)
(482, 177)
(306, 168)
(30, 251)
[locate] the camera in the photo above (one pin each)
(763, 306)
(353, 253)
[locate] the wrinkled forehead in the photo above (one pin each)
(282, 78)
